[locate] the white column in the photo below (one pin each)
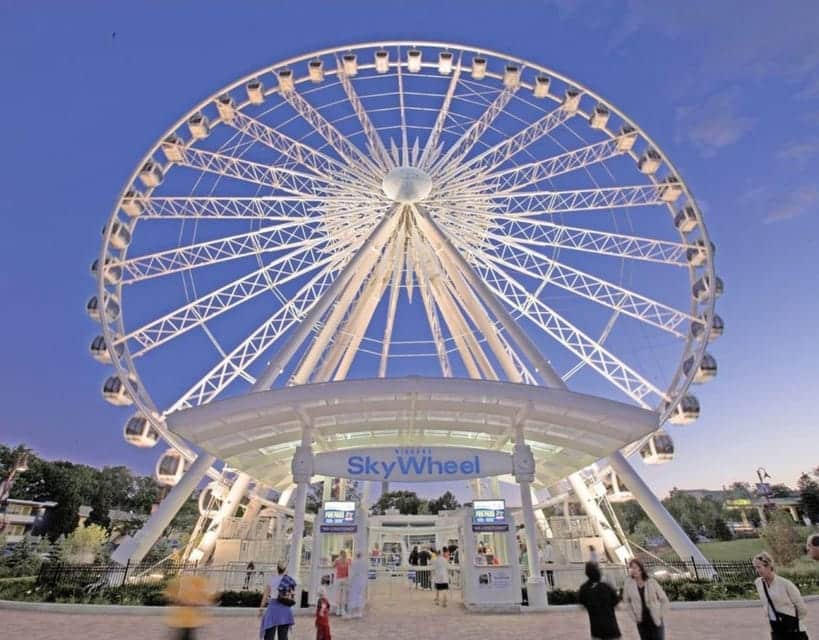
(136, 548)
(252, 510)
(327, 489)
(494, 487)
(477, 489)
(524, 470)
(616, 550)
(227, 509)
(664, 521)
(302, 466)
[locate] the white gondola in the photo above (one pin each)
(705, 372)
(315, 69)
(226, 106)
(120, 235)
(382, 61)
(599, 118)
(649, 162)
(541, 88)
(511, 76)
(659, 449)
(571, 100)
(173, 147)
(116, 393)
(139, 432)
(445, 62)
(686, 219)
(110, 308)
(701, 289)
(199, 126)
(626, 138)
(169, 468)
(698, 254)
(99, 350)
(112, 272)
(151, 174)
(670, 189)
(211, 497)
(686, 411)
(285, 78)
(478, 68)
(132, 203)
(414, 60)
(255, 91)
(717, 328)
(616, 491)
(349, 64)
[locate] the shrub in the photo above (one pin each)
(562, 596)
(783, 538)
(19, 589)
(239, 599)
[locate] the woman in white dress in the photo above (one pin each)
(358, 586)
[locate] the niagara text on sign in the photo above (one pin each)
(418, 464)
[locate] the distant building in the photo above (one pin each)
(120, 520)
(24, 517)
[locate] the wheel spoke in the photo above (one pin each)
(346, 149)
(236, 363)
(376, 145)
(269, 208)
(458, 151)
(496, 155)
(431, 149)
(287, 180)
(319, 163)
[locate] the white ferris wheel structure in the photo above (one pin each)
(431, 223)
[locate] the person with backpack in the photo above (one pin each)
(599, 599)
(277, 605)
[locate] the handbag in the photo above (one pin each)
(784, 624)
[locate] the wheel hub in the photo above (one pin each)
(406, 185)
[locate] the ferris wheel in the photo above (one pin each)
(239, 220)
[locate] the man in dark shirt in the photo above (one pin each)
(599, 599)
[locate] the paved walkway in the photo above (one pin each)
(416, 621)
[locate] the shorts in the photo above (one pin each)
(441, 586)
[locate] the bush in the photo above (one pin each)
(239, 599)
(562, 596)
(19, 589)
(783, 539)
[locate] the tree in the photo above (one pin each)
(629, 514)
(809, 497)
(781, 491)
(782, 538)
(23, 559)
(84, 545)
(644, 532)
(145, 492)
(446, 502)
(407, 503)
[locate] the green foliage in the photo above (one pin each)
(562, 596)
(629, 514)
(84, 544)
(185, 519)
(446, 502)
(782, 538)
(24, 559)
(19, 589)
(407, 502)
(644, 531)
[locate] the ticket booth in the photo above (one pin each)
(489, 558)
(338, 525)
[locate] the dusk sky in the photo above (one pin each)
(729, 90)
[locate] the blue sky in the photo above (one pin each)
(734, 102)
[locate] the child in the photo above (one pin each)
(322, 616)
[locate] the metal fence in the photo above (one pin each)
(729, 571)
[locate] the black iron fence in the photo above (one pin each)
(731, 571)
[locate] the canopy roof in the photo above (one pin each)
(258, 432)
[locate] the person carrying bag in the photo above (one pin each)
(276, 607)
(781, 600)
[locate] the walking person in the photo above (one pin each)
(812, 546)
(276, 609)
(359, 574)
(249, 571)
(599, 599)
(323, 616)
(424, 558)
(783, 604)
(647, 602)
(440, 577)
(342, 582)
(413, 561)
(188, 594)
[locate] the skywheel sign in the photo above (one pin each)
(412, 464)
